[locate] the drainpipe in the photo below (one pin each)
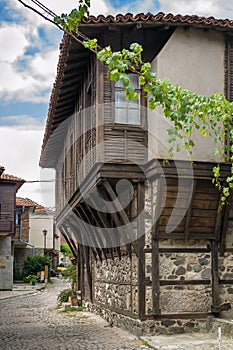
(20, 233)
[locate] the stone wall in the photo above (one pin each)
(148, 327)
(116, 283)
(226, 265)
(6, 264)
(185, 273)
(22, 252)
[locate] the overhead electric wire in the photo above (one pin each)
(50, 13)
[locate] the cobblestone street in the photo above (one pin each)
(33, 322)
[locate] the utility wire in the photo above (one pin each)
(49, 15)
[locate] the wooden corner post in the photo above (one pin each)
(141, 244)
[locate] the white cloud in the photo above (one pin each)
(19, 154)
(44, 65)
(22, 160)
(216, 8)
(35, 80)
(13, 42)
(22, 122)
(23, 86)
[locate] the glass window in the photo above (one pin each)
(127, 112)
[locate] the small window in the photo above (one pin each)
(18, 218)
(127, 112)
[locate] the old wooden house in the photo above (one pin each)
(152, 243)
(9, 185)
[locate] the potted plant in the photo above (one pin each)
(32, 280)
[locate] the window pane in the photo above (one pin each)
(120, 115)
(134, 116)
(120, 100)
(134, 104)
(127, 112)
(118, 84)
(134, 80)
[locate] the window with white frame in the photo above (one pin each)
(127, 112)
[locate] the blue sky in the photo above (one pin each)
(29, 48)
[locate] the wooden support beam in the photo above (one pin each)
(101, 221)
(94, 242)
(155, 276)
(88, 270)
(99, 241)
(85, 232)
(79, 280)
(66, 235)
(118, 249)
(82, 271)
(141, 244)
(215, 307)
(122, 214)
(155, 256)
(225, 224)
(219, 220)
(189, 212)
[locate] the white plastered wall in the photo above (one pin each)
(193, 59)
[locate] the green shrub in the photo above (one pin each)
(65, 249)
(35, 264)
(71, 275)
(63, 296)
(73, 308)
(29, 279)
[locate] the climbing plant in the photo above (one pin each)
(188, 111)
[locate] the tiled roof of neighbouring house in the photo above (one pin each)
(57, 102)
(30, 203)
(11, 178)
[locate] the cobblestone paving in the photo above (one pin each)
(33, 322)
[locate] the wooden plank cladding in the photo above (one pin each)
(188, 210)
(6, 225)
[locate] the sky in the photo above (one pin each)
(29, 49)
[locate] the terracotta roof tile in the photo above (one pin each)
(30, 203)
(25, 201)
(161, 18)
(11, 178)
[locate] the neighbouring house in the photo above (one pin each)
(9, 185)
(35, 233)
(154, 253)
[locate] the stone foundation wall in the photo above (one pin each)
(226, 265)
(149, 327)
(6, 264)
(115, 283)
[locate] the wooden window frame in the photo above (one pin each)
(143, 114)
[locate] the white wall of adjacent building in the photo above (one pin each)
(38, 223)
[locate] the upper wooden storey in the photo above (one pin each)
(8, 187)
(84, 126)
